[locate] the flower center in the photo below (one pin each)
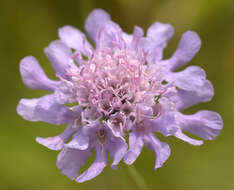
(113, 81)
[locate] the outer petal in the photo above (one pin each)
(79, 141)
(75, 39)
(138, 33)
(135, 147)
(70, 161)
(180, 135)
(157, 37)
(164, 124)
(160, 32)
(60, 57)
(44, 109)
(95, 22)
(57, 142)
(185, 99)
(127, 38)
(96, 168)
(188, 47)
(162, 150)
(110, 36)
(190, 79)
(204, 124)
(33, 76)
(117, 149)
(49, 111)
(26, 108)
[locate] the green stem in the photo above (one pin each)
(137, 177)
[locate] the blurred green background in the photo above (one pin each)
(26, 27)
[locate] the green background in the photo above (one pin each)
(26, 27)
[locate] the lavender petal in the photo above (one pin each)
(135, 147)
(96, 168)
(60, 57)
(95, 22)
(34, 77)
(75, 39)
(70, 161)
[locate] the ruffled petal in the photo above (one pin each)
(138, 33)
(44, 109)
(135, 147)
(188, 47)
(95, 22)
(180, 135)
(49, 111)
(70, 161)
(34, 77)
(57, 142)
(79, 141)
(184, 99)
(160, 32)
(190, 79)
(75, 39)
(157, 37)
(26, 108)
(96, 168)
(204, 124)
(60, 57)
(164, 124)
(161, 149)
(110, 36)
(65, 93)
(127, 38)
(117, 150)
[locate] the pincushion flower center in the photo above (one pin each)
(110, 79)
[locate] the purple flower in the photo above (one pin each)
(121, 87)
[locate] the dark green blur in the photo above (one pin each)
(26, 27)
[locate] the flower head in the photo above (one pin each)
(123, 86)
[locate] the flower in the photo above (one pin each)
(121, 89)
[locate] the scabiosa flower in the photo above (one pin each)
(120, 89)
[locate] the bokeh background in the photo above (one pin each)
(26, 27)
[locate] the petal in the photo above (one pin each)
(117, 150)
(204, 124)
(160, 32)
(44, 109)
(127, 38)
(96, 168)
(70, 161)
(34, 77)
(138, 33)
(161, 149)
(49, 111)
(145, 110)
(95, 22)
(190, 79)
(157, 37)
(26, 109)
(111, 36)
(79, 141)
(135, 147)
(75, 39)
(57, 142)
(164, 124)
(180, 135)
(115, 125)
(185, 99)
(188, 47)
(65, 92)
(60, 57)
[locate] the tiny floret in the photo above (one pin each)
(122, 88)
